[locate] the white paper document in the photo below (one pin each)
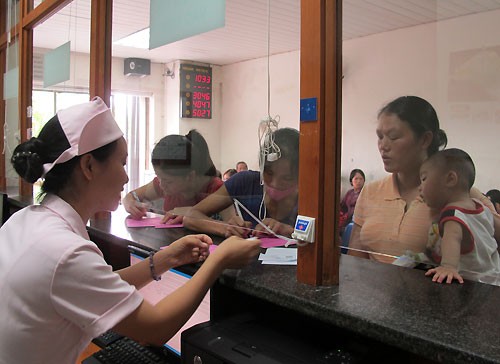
(279, 256)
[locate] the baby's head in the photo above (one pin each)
(444, 174)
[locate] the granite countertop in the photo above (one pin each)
(398, 306)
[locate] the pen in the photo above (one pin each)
(134, 195)
(159, 212)
(237, 207)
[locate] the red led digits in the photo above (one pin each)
(196, 91)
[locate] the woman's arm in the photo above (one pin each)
(144, 193)
(187, 250)
(278, 227)
(198, 217)
(157, 324)
(355, 243)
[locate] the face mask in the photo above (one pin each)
(278, 195)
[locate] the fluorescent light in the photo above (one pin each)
(139, 39)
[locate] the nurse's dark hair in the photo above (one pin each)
(180, 154)
(29, 157)
(420, 116)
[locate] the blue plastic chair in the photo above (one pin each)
(345, 238)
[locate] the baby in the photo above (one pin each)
(463, 238)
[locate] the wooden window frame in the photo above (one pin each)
(320, 141)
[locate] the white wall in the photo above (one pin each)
(416, 61)
(244, 104)
(239, 103)
(376, 69)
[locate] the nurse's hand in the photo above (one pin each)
(189, 249)
(235, 252)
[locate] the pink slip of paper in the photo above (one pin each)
(271, 242)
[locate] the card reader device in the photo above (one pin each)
(304, 228)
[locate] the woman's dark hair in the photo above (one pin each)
(179, 155)
(420, 116)
(353, 173)
(231, 172)
(493, 195)
(29, 157)
(288, 141)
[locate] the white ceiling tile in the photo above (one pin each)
(245, 34)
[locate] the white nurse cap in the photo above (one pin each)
(87, 127)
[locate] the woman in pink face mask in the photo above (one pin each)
(272, 198)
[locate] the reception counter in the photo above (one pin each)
(391, 311)
(398, 308)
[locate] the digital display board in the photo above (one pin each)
(196, 91)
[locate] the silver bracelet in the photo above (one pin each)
(152, 267)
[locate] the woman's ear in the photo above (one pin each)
(427, 139)
(86, 165)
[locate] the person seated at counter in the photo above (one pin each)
(270, 195)
(241, 166)
(185, 175)
(390, 217)
(228, 174)
(462, 239)
(58, 292)
(348, 202)
(494, 196)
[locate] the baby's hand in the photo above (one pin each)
(441, 272)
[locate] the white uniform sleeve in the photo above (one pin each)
(88, 293)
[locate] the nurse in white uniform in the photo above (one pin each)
(57, 291)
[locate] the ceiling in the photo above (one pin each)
(245, 34)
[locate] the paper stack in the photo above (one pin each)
(279, 256)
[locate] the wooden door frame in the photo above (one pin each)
(320, 140)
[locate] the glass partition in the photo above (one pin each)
(11, 122)
(205, 116)
(450, 58)
(10, 93)
(445, 54)
(37, 2)
(138, 93)
(13, 14)
(60, 78)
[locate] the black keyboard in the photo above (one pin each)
(107, 338)
(117, 349)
